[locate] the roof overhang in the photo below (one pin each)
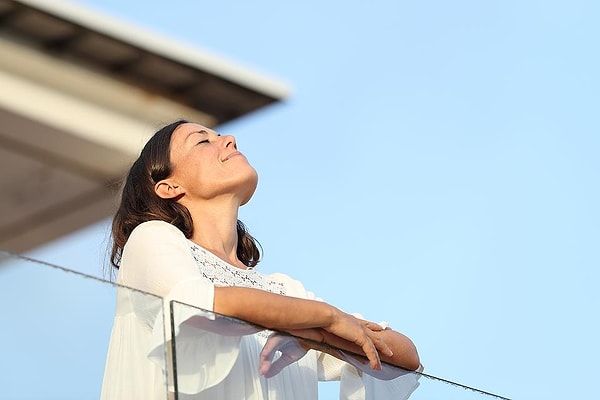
(80, 94)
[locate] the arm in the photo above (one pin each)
(405, 353)
(157, 260)
(292, 348)
(301, 316)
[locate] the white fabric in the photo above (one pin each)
(158, 259)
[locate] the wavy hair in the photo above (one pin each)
(139, 203)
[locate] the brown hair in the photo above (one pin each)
(139, 202)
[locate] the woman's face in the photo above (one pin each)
(207, 166)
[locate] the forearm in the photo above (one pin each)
(290, 314)
(405, 353)
(271, 310)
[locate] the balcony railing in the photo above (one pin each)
(57, 324)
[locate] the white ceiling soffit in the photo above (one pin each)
(123, 52)
(80, 94)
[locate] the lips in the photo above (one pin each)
(235, 153)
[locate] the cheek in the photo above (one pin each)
(191, 165)
(186, 173)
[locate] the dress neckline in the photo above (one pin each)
(219, 259)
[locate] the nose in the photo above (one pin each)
(229, 141)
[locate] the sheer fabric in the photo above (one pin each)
(158, 259)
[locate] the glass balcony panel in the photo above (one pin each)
(219, 357)
(58, 323)
(56, 329)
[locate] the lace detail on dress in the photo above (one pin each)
(221, 273)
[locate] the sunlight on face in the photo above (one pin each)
(209, 166)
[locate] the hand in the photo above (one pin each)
(361, 333)
(405, 353)
(291, 350)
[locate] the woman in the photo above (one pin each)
(177, 235)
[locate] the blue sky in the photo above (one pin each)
(435, 166)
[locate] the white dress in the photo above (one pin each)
(158, 259)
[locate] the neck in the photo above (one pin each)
(215, 229)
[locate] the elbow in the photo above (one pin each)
(405, 352)
(414, 362)
(409, 358)
(413, 359)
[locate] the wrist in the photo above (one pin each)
(333, 316)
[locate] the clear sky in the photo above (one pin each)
(435, 166)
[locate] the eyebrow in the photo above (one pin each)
(202, 131)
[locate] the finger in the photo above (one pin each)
(276, 367)
(265, 362)
(380, 344)
(264, 367)
(268, 352)
(360, 337)
(373, 326)
(289, 352)
(370, 351)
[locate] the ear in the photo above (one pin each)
(168, 189)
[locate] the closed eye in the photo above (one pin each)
(203, 141)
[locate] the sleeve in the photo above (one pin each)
(157, 259)
(329, 368)
(359, 382)
(355, 384)
(399, 388)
